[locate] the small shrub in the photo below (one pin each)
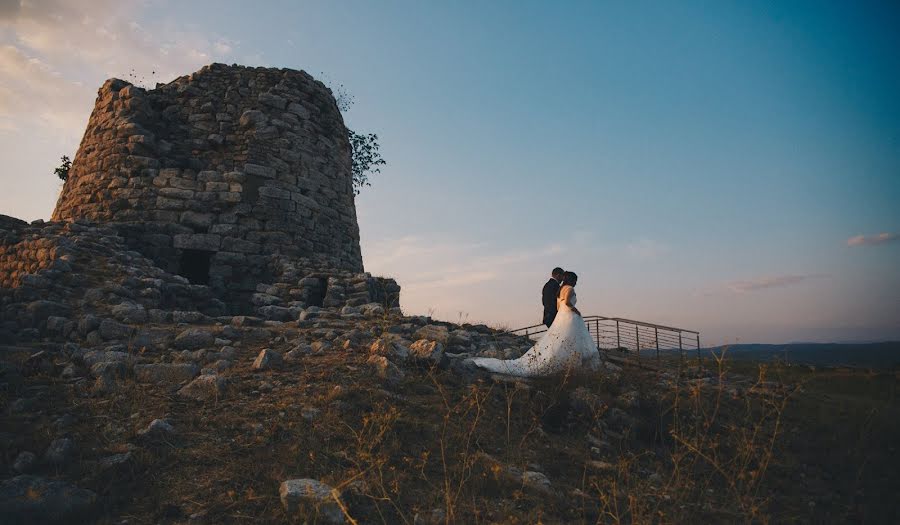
(62, 171)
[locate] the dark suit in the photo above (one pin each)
(548, 297)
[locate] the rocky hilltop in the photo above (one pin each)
(193, 339)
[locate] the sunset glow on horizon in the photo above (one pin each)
(728, 169)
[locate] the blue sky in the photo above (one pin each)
(699, 164)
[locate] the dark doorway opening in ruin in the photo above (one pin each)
(194, 266)
(250, 188)
(318, 292)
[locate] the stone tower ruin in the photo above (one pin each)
(231, 177)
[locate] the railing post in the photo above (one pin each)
(680, 347)
(699, 360)
(656, 335)
(618, 337)
(597, 332)
(637, 338)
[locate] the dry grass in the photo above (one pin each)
(780, 445)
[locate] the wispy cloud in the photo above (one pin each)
(872, 240)
(449, 275)
(31, 91)
(54, 54)
(433, 263)
(645, 249)
(765, 283)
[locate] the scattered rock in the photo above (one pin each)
(278, 313)
(204, 388)
(298, 495)
(23, 404)
(189, 317)
(194, 338)
(217, 367)
(110, 369)
(60, 326)
(65, 421)
(129, 313)
(536, 480)
(104, 385)
(39, 363)
(385, 369)
(60, 451)
(101, 356)
(309, 413)
(320, 346)
(425, 349)
(372, 310)
(113, 331)
(31, 499)
(157, 429)
(115, 461)
(88, 324)
(166, 373)
(298, 352)
(388, 347)
(24, 462)
(267, 359)
(433, 332)
(612, 367)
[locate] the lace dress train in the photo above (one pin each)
(567, 344)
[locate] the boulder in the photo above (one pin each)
(157, 429)
(189, 317)
(267, 359)
(312, 496)
(167, 373)
(278, 313)
(385, 369)
(372, 310)
(115, 461)
(60, 325)
(31, 499)
(130, 313)
(536, 480)
(24, 462)
(60, 451)
(433, 332)
(427, 350)
(194, 338)
(39, 311)
(110, 369)
(113, 331)
(105, 356)
(204, 388)
(388, 347)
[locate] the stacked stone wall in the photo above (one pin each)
(57, 276)
(23, 254)
(243, 163)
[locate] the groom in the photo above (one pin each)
(548, 295)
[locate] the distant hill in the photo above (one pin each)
(868, 355)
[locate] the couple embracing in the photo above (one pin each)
(566, 345)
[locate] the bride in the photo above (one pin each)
(567, 344)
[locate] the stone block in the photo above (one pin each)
(197, 241)
(259, 170)
(270, 99)
(196, 219)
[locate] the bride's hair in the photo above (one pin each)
(568, 278)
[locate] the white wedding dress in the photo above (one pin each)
(567, 344)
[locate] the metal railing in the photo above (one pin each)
(631, 337)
